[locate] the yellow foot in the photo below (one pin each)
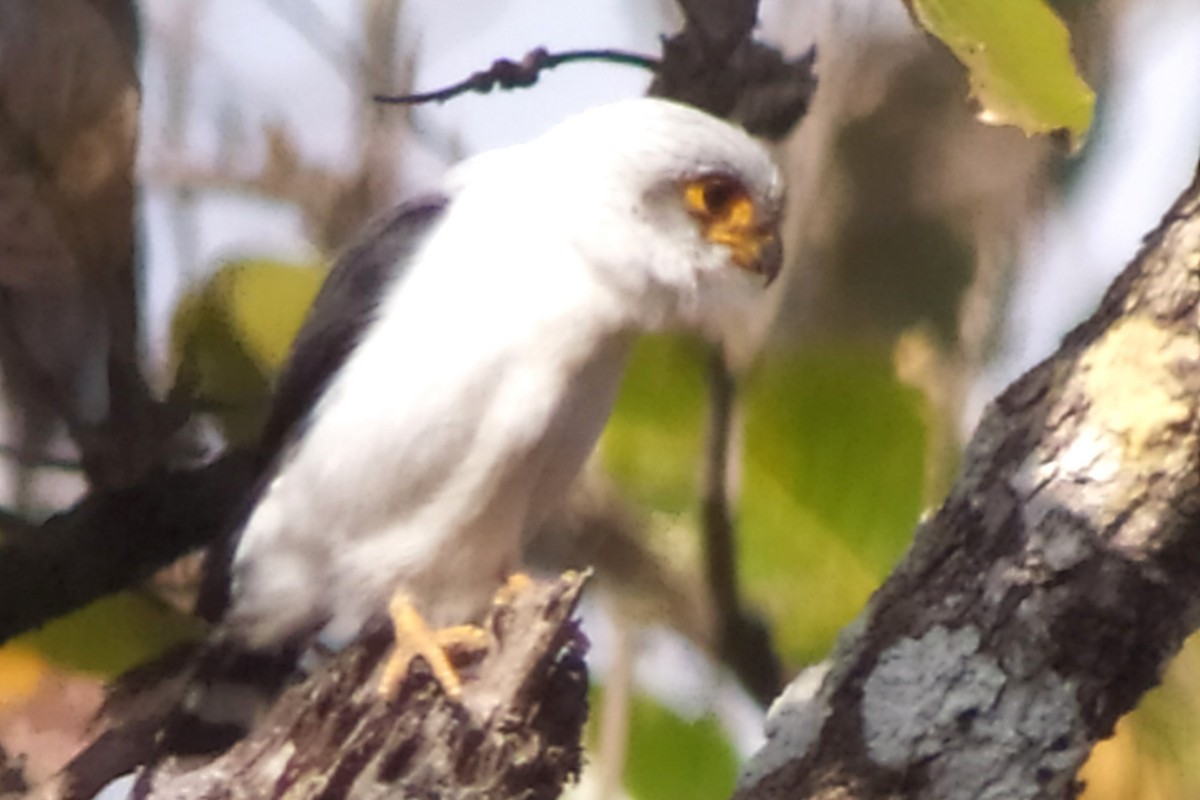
(517, 583)
(414, 637)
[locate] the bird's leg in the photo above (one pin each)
(414, 637)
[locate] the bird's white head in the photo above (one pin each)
(673, 209)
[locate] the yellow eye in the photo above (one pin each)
(719, 200)
(727, 216)
(716, 196)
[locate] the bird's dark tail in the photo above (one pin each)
(196, 700)
(229, 690)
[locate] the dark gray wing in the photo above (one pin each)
(340, 314)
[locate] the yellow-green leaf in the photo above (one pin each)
(669, 757)
(21, 670)
(109, 636)
(230, 337)
(1018, 54)
(266, 302)
(833, 479)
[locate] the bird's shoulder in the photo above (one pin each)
(341, 313)
(339, 316)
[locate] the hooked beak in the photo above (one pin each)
(757, 251)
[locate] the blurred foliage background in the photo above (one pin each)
(927, 266)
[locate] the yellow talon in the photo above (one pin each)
(414, 637)
(517, 583)
(440, 648)
(461, 641)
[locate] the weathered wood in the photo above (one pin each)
(12, 776)
(515, 732)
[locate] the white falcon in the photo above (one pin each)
(461, 361)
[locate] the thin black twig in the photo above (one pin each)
(743, 640)
(507, 74)
(718, 526)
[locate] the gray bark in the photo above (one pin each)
(1048, 592)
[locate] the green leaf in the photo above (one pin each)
(1018, 54)
(669, 757)
(231, 336)
(111, 635)
(833, 476)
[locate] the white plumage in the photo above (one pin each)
(489, 364)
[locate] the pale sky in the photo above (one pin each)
(253, 66)
(1146, 154)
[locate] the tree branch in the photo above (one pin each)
(115, 538)
(743, 640)
(508, 74)
(1048, 592)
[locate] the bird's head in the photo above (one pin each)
(674, 209)
(675, 212)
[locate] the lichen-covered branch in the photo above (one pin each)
(515, 732)
(1048, 592)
